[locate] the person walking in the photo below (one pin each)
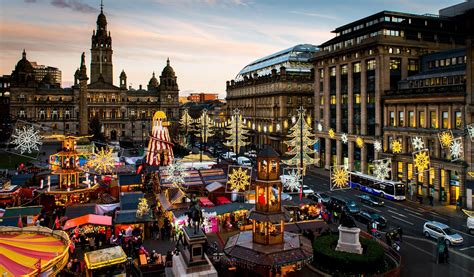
(430, 198)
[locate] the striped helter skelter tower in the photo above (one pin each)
(160, 148)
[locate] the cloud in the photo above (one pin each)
(30, 1)
(326, 16)
(75, 5)
(206, 2)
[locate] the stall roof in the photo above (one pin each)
(129, 179)
(88, 219)
(130, 216)
(79, 210)
(129, 200)
(11, 215)
(105, 257)
(205, 202)
(222, 200)
(214, 186)
(227, 208)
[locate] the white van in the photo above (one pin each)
(470, 225)
(229, 156)
(244, 161)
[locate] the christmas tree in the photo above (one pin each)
(204, 123)
(186, 121)
(143, 209)
(300, 143)
(237, 133)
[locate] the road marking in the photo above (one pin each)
(463, 233)
(411, 211)
(453, 250)
(392, 208)
(436, 215)
(372, 208)
(422, 218)
(411, 223)
(397, 214)
(466, 248)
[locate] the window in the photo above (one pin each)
(321, 73)
(321, 101)
(332, 71)
(371, 64)
(421, 119)
(410, 172)
(433, 120)
(412, 65)
(458, 118)
(392, 118)
(333, 99)
(411, 119)
(344, 69)
(395, 64)
(401, 119)
(357, 98)
(445, 120)
(356, 67)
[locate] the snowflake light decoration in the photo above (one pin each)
(293, 179)
(396, 146)
(378, 145)
(457, 149)
(359, 142)
(26, 139)
(239, 178)
(470, 131)
(176, 174)
(331, 133)
(103, 162)
(344, 138)
(421, 160)
(382, 168)
(417, 143)
(445, 139)
(339, 177)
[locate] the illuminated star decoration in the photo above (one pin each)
(331, 133)
(470, 131)
(359, 142)
(417, 143)
(102, 162)
(26, 139)
(396, 146)
(176, 174)
(339, 177)
(457, 149)
(421, 160)
(382, 168)
(445, 139)
(344, 138)
(470, 173)
(239, 178)
(378, 145)
(293, 179)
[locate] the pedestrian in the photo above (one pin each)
(446, 252)
(180, 238)
(400, 233)
(430, 198)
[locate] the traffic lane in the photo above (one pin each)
(321, 184)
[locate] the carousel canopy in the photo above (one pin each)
(129, 200)
(88, 219)
(22, 248)
(105, 257)
(11, 215)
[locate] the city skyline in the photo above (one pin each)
(207, 41)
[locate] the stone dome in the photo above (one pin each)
(24, 65)
(168, 71)
(153, 83)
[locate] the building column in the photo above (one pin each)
(339, 152)
(363, 98)
(363, 159)
(327, 100)
(328, 154)
(350, 102)
(437, 183)
(378, 98)
(338, 101)
(350, 153)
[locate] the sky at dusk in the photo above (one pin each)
(207, 41)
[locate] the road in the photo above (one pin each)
(417, 251)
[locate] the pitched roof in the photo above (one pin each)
(129, 179)
(130, 216)
(11, 215)
(129, 200)
(79, 210)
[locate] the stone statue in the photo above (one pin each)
(347, 220)
(195, 215)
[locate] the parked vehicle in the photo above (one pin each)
(470, 225)
(352, 207)
(371, 200)
(229, 156)
(368, 216)
(319, 197)
(307, 190)
(437, 230)
(244, 161)
(336, 204)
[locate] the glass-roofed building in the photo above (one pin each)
(277, 84)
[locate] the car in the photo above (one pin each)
(336, 204)
(244, 161)
(368, 216)
(307, 190)
(371, 200)
(435, 229)
(470, 225)
(352, 207)
(319, 197)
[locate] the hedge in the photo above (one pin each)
(335, 262)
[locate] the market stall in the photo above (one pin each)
(205, 202)
(8, 193)
(302, 209)
(106, 262)
(28, 215)
(227, 217)
(222, 200)
(89, 224)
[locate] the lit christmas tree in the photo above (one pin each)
(204, 123)
(186, 121)
(142, 209)
(300, 143)
(237, 133)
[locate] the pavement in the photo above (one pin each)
(417, 251)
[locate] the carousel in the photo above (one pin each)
(65, 164)
(160, 147)
(32, 251)
(267, 250)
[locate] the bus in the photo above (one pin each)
(388, 189)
